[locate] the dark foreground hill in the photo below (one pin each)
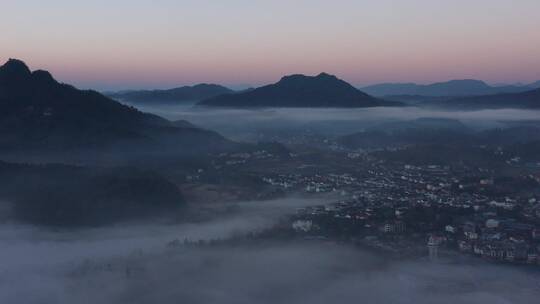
(173, 96)
(40, 114)
(60, 195)
(323, 90)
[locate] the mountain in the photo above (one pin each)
(463, 87)
(524, 100)
(182, 94)
(323, 90)
(534, 85)
(37, 113)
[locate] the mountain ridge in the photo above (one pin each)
(297, 90)
(40, 113)
(180, 94)
(456, 87)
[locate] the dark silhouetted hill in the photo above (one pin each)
(182, 94)
(323, 90)
(465, 87)
(37, 112)
(61, 195)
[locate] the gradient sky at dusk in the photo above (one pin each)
(165, 43)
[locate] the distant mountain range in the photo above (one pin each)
(37, 112)
(535, 85)
(323, 90)
(466, 87)
(526, 100)
(182, 94)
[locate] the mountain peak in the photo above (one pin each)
(292, 77)
(301, 77)
(180, 94)
(326, 75)
(323, 90)
(15, 68)
(43, 76)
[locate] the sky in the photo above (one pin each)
(125, 44)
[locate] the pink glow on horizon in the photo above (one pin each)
(139, 44)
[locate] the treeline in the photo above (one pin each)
(61, 195)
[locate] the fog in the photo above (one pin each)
(303, 273)
(246, 124)
(133, 264)
(36, 259)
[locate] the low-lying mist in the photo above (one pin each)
(298, 273)
(133, 264)
(36, 260)
(244, 124)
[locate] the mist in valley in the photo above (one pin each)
(133, 263)
(249, 124)
(269, 152)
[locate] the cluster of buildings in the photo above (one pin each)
(316, 183)
(432, 207)
(498, 238)
(239, 158)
